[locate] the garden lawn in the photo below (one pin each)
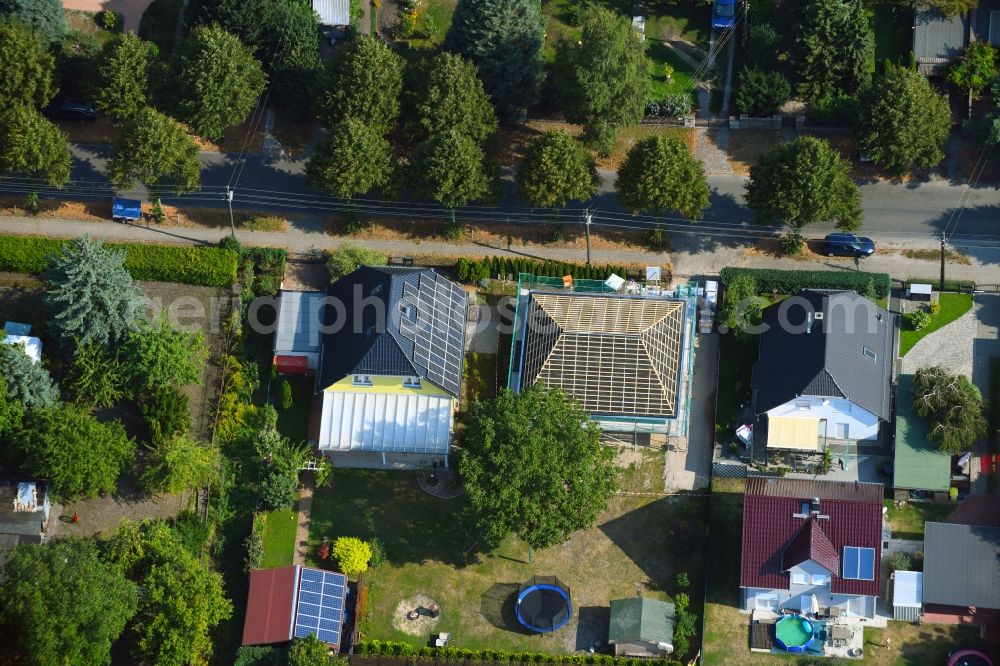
(737, 354)
(908, 521)
(433, 21)
(293, 422)
(953, 306)
(659, 55)
(431, 547)
(279, 538)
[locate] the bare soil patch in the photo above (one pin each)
(101, 130)
(747, 146)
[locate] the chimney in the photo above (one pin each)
(809, 322)
(815, 506)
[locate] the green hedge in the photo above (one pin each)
(789, 282)
(398, 649)
(203, 266)
(469, 270)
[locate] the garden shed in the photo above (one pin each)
(907, 587)
(641, 627)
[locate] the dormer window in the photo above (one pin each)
(411, 382)
(362, 380)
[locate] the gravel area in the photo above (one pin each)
(950, 347)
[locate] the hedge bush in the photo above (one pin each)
(397, 649)
(203, 266)
(789, 282)
(466, 269)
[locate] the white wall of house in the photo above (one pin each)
(842, 416)
(806, 580)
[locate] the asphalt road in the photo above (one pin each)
(911, 213)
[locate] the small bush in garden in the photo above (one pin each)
(157, 214)
(286, 394)
(378, 552)
(934, 308)
(918, 319)
(279, 491)
(352, 555)
(452, 231)
(675, 104)
(899, 562)
(324, 551)
(658, 238)
(352, 223)
(31, 203)
(652, 108)
(791, 244)
(255, 551)
(109, 20)
(558, 234)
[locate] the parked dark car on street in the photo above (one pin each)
(849, 245)
(71, 108)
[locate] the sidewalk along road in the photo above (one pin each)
(685, 260)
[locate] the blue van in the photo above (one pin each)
(849, 245)
(724, 14)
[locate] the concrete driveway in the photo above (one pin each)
(132, 10)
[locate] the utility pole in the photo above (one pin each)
(941, 285)
(587, 216)
(229, 201)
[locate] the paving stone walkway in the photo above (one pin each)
(302, 530)
(691, 468)
(713, 150)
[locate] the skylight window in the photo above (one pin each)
(870, 353)
(859, 563)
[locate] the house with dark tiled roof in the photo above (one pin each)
(390, 367)
(811, 546)
(823, 374)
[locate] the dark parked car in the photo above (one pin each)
(71, 108)
(849, 245)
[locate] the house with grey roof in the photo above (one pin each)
(961, 581)
(822, 379)
(938, 39)
(390, 367)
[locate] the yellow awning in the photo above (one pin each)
(793, 432)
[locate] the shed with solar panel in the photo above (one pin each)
(391, 367)
(296, 602)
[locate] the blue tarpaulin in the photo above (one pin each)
(126, 209)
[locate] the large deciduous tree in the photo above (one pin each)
(903, 121)
(953, 407)
(504, 40)
(836, 49)
(451, 169)
(156, 151)
(534, 466)
(27, 66)
(43, 16)
(32, 146)
(218, 79)
(180, 463)
(80, 455)
(121, 89)
(954, 7)
(158, 355)
(452, 98)
(362, 81)
(661, 174)
(26, 381)
(353, 159)
(556, 169)
(603, 80)
(91, 297)
(183, 599)
(801, 182)
(63, 604)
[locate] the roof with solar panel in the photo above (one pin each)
(395, 321)
(295, 602)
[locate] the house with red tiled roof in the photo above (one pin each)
(811, 546)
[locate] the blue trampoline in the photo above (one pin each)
(543, 604)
